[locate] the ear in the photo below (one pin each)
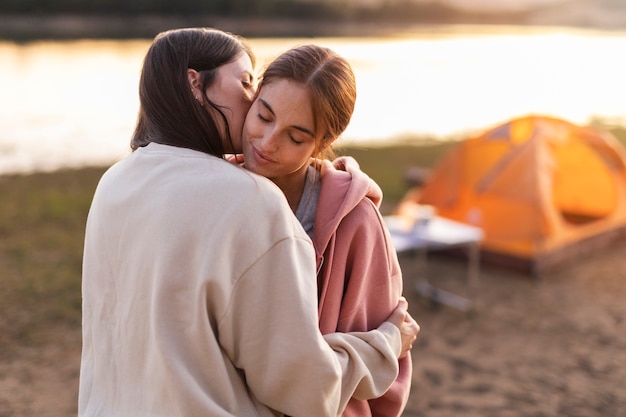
(193, 77)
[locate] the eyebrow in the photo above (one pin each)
(300, 128)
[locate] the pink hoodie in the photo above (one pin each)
(359, 278)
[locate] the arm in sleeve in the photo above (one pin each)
(270, 332)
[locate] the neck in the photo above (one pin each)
(292, 186)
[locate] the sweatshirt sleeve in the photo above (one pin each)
(369, 360)
(270, 332)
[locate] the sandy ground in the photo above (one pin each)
(550, 347)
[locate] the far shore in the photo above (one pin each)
(35, 27)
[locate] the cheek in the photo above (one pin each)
(252, 127)
(249, 135)
(238, 115)
(298, 156)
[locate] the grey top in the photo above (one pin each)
(305, 213)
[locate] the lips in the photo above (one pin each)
(262, 158)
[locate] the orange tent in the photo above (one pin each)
(542, 189)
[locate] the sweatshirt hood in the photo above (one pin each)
(344, 185)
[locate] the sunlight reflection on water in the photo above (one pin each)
(74, 103)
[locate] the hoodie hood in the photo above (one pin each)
(344, 185)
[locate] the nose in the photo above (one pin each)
(251, 92)
(254, 87)
(269, 141)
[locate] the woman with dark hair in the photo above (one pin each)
(186, 60)
(198, 282)
(305, 101)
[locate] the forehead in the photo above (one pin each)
(289, 101)
(284, 94)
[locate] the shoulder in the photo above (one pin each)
(363, 215)
(203, 175)
(193, 183)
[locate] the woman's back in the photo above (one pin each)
(176, 292)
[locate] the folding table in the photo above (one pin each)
(421, 235)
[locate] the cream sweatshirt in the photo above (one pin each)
(200, 299)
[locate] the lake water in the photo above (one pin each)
(74, 103)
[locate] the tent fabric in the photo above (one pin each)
(539, 187)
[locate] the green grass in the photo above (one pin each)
(42, 221)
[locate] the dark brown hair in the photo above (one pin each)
(168, 112)
(330, 80)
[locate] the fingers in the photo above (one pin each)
(409, 330)
(401, 315)
(398, 316)
(403, 303)
(235, 158)
(406, 348)
(408, 327)
(412, 325)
